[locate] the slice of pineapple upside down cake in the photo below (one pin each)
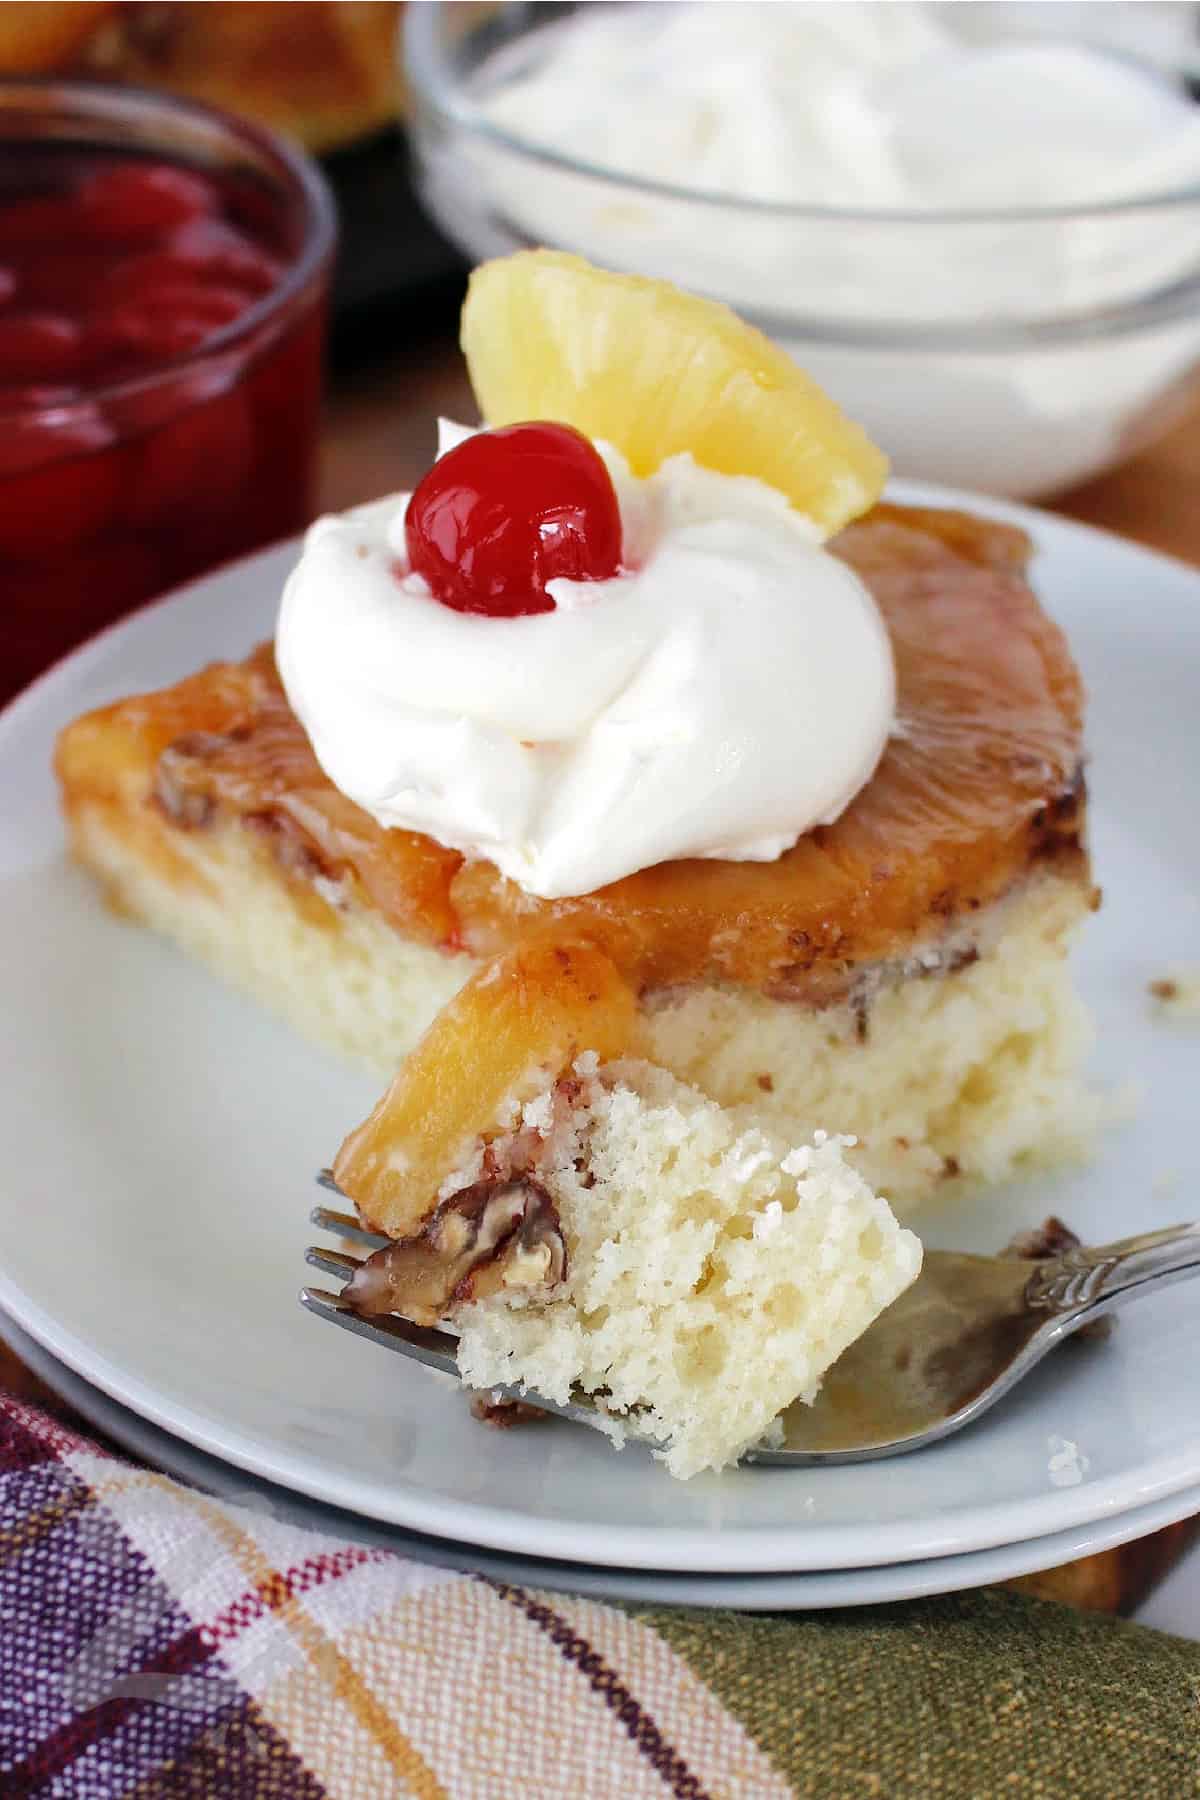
(644, 675)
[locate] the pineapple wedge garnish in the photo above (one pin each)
(655, 372)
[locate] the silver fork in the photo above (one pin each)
(953, 1344)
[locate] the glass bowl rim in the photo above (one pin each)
(427, 71)
(299, 169)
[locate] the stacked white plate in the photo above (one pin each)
(161, 1136)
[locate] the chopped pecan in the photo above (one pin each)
(1050, 1238)
(292, 849)
(1057, 825)
(499, 1411)
(180, 787)
(491, 1236)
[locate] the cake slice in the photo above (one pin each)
(587, 1223)
(898, 975)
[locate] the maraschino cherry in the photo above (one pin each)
(508, 511)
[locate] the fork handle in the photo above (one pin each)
(1098, 1278)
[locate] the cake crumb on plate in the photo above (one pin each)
(1178, 993)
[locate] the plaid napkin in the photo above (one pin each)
(155, 1642)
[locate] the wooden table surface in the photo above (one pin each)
(379, 436)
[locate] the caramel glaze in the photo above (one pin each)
(980, 785)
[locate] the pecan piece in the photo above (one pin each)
(1050, 1238)
(491, 1236)
(502, 1413)
(179, 784)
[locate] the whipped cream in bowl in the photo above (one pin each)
(978, 227)
(730, 688)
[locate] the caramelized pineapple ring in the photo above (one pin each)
(981, 789)
(507, 1036)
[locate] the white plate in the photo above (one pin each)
(160, 1136)
(744, 1593)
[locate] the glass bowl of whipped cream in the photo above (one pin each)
(977, 226)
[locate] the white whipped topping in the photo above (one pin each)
(731, 688)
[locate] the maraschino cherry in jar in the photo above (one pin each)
(163, 277)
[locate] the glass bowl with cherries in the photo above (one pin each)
(164, 272)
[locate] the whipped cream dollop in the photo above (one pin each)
(731, 687)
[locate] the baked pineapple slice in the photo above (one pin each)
(505, 1037)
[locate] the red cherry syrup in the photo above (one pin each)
(137, 446)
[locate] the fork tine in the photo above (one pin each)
(436, 1349)
(332, 1262)
(345, 1225)
(325, 1179)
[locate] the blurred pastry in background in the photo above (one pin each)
(326, 73)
